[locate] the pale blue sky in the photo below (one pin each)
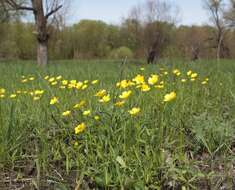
(111, 11)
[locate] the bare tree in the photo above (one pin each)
(230, 14)
(43, 11)
(216, 10)
(158, 15)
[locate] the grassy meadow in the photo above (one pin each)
(107, 125)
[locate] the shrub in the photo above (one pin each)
(122, 52)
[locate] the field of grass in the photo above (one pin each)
(49, 140)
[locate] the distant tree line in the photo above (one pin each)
(148, 30)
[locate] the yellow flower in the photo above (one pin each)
(97, 118)
(194, 75)
(76, 143)
(159, 86)
(120, 103)
(24, 80)
(2, 90)
(134, 111)
(2, 96)
(66, 113)
(35, 98)
(183, 80)
(105, 99)
(62, 87)
(87, 113)
(13, 96)
(80, 85)
(46, 77)
(59, 77)
(31, 78)
(51, 79)
(86, 81)
(124, 84)
(142, 68)
(54, 83)
(54, 100)
(193, 79)
(84, 86)
(204, 82)
(80, 128)
(189, 72)
(39, 92)
(153, 79)
(169, 97)
(80, 104)
(65, 82)
(175, 71)
(145, 88)
(101, 93)
(94, 82)
(125, 94)
(139, 79)
(165, 73)
(73, 81)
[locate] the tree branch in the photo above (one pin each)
(53, 11)
(16, 6)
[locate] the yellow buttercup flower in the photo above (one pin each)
(142, 68)
(2, 90)
(159, 86)
(169, 97)
(145, 88)
(46, 77)
(59, 77)
(2, 95)
(94, 82)
(105, 99)
(189, 73)
(79, 85)
(134, 111)
(62, 87)
(13, 96)
(86, 113)
(183, 80)
(204, 82)
(54, 100)
(38, 92)
(31, 78)
(66, 113)
(65, 82)
(24, 80)
(80, 128)
(101, 93)
(73, 81)
(35, 98)
(51, 79)
(153, 79)
(54, 83)
(97, 118)
(125, 94)
(194, 75)
(120, 103)
(84, 86)
(80, 104)
(139, 79)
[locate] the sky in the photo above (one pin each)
(112, 11)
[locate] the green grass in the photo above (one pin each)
(188, 143)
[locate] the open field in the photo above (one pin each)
(58, 133)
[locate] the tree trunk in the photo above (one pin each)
(42, 54)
